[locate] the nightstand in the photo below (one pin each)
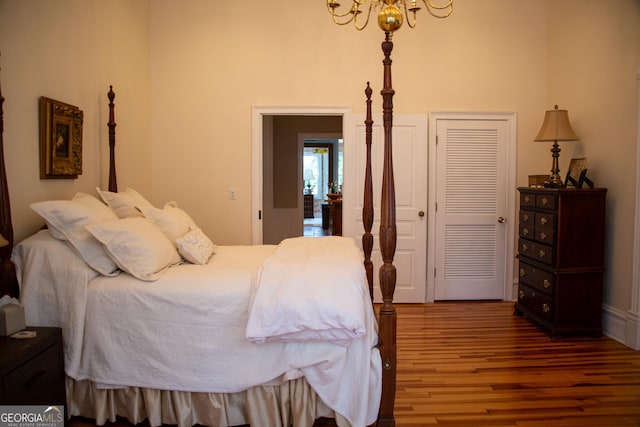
(32, 370)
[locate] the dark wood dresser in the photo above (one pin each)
(32, 370)
(308, 206)
(561, 258)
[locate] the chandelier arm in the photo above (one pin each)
(410, 22)
(448, 8)
(333, 4)
(335, 20)
(336, 16)
(355, 16)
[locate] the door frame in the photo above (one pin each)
(511, 119)
(632, 324)
(257, 172)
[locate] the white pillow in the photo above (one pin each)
(196, 247)
(124, 203)
(173, 221)
(136, 246)
(67, 220)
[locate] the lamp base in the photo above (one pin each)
(554, 182)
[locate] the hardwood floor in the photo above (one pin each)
(476, 364)
(313, 228)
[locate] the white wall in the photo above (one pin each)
(593, 56)
(208, 74)
(72, 51)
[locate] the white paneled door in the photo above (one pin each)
(473, 207)
(409, 158)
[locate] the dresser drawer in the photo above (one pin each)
(527, 200)
(537, 278)
(527, 218)
(34, 381)
(547, 201)
(538, 226)
(527, 224)
(545, 228)
(536, 301)
(536, 251)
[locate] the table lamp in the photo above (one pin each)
(555, 127)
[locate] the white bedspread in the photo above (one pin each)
(186, 331)
(53, 289)
(307, 290)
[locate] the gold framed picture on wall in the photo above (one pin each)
(60, 140)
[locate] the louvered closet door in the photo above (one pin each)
(471, 205)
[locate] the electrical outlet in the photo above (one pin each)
(232, 194)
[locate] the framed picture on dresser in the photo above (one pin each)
(576, 172)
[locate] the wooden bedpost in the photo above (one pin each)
(387, 319)
(113, 182)
(8, 278)
(367, 207)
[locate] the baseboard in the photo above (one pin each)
(621, 326)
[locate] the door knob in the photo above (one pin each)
(421, 214)
(501, 220)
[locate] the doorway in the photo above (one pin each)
(277, 180)
(322, 165)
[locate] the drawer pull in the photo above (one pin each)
(522, 272)
(525, 248)
(546, 283)
(525, 217)
(525, 231)
(543, 220)
(545, 307)
(527, 200)
(542, 253)
(543, 236)
(521, 294)
(545, 201)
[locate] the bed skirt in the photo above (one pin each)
(293, 403)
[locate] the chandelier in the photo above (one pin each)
(390, 17)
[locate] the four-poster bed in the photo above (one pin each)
(103, 400)
(120, 399)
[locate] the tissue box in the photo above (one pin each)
(11, 319)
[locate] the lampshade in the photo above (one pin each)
(308, 174)
(556, 127)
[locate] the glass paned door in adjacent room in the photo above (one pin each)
(316, 171)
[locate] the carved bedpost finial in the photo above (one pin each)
(113, 182)
(111, 94)
(367, 205)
